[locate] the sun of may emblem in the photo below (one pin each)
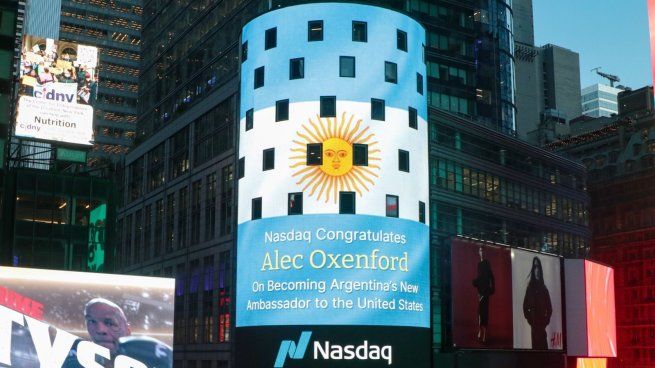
(332, 155)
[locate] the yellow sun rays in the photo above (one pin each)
(337, 172)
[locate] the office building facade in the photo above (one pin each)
(547, 80)
(619, 153)
(178, 211)
(600, 100)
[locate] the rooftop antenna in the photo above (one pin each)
(610, 77)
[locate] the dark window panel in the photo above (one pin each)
(295, 203)
(360, 31)
(360, 154)
(377, 109)
(250, 119)
(401, 40)
(315, 30)
(347, 202)
(271, 38)
(282, 110)
(241, 168)
(268, 159)
(244, 51)
(403, 160)
(390, 72)
(297, 68)
(347, 66)
(413, 118)
(314, 154)
(259, 77)
(256, 209)
(328, 106)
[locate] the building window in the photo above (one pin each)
(295, 203)
(249, 119)
(259, 77)
(244, 51)
(360, 154)
(269, 159)
(421, 212)
(241, 168)
(347, 203)
(314, 154)
(359, 32)
(413, 118)
(390, 72)
(297, 68)
(328, 106)
(419, 83)
(315, 30)
(347, 66)
(403, 160)
(282, 110)
(401, 40)
(377, 109)
(256, 208)
(271, 38)
(392, 206)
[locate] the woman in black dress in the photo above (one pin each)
(485, 285)
(537, 308)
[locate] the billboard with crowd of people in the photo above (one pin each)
(62, 319)
(58, 87)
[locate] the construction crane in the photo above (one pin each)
(610, 77)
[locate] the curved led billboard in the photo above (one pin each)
(333, 246)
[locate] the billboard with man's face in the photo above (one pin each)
(61, 319)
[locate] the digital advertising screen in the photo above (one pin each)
(61, 319)
(481, 295)
(333, 243)
(58, 87)
(537, 301)
(505, 298)
(590, 309)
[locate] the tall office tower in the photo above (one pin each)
(114, 26)
(619, 153)
(600, 100)
(547, 83)
(178, 214)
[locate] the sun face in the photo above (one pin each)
(337, 157)
(332, 155)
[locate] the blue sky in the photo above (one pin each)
(612, 34)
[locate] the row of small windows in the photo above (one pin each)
(346, 70)
(315, 158)
(315, 30)
(328, 109)
(347, 205)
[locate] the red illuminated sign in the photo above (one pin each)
(20, 303)
(601, 320)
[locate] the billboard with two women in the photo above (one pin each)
(505, 298)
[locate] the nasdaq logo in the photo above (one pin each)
(292, 350)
